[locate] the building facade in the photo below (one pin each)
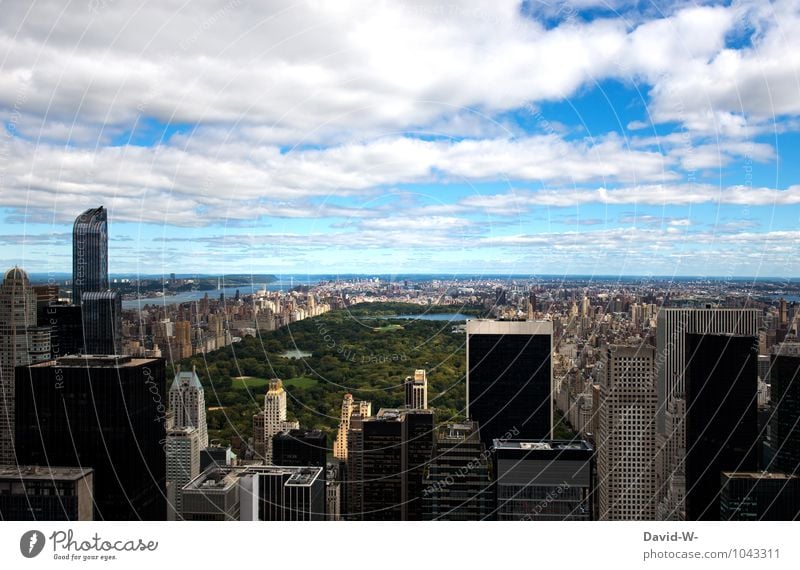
(187, 401)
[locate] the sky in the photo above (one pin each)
(538, 137)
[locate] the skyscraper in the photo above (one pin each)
(187, 401)
(417, 390)
(721, 416)
(340, 445)
(784, 428)
(89, 253)
(271, 420)
(102, 322)
(300, 448)
(397, 448)
(107, 413)
(546, 480)
(509, 378)
(457, 485)
(183, 465)
(626, 440)
(21, 343)
(671, 328)
(759, 496)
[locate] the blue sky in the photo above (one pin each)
(399, 137)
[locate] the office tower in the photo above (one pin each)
(187, 401)
(544, 480)
(42, 493)
(671, 328)
(300, 448)
(626, 439)
(381, 479)
(21, 343)
(106, 413)
(340, 445)
(509, 378)
(784, 428)
(417, 446)
(457, 486)
(183, 465)
(759, 496)
(721, 416)
(278, 493)
(102, 322)
(354, 466)
(89, 254)
(271, 420)
(216, 455)
(66, 329)
(212, 496)
(397, 447)
(333, 495)
(183, 340)
(417, 390)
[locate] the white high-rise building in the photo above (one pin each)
(21, 343)
(671, 328)
(183, 465)
(272, 419)
(187, 402)
(626, 439)
(417, 390)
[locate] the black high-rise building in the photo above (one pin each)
(784, 428)
(721, 416)
(509, 379)
(760, 496)
(102, 322)
(397, 447)
(457, 485)
(300, 448)
(89, 253)
(104, 413)
(66, 328)
(382, 467)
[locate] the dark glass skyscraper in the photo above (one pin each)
(784, 428)
(89, 253)
(721, 416)
(509, 376)
(456, 485)
(102, 322)
(300, 448)
(103, 413)
(760, 496)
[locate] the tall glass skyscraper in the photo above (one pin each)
(89, 253)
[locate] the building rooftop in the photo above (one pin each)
(30, 472)
(94, 360)
(541, 445)
(214, 478)
(759, 475)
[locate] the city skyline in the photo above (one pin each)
(564, 138)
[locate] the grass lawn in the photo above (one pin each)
(251, 382)
(388, 328)
(300, 382)
(255, 384)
